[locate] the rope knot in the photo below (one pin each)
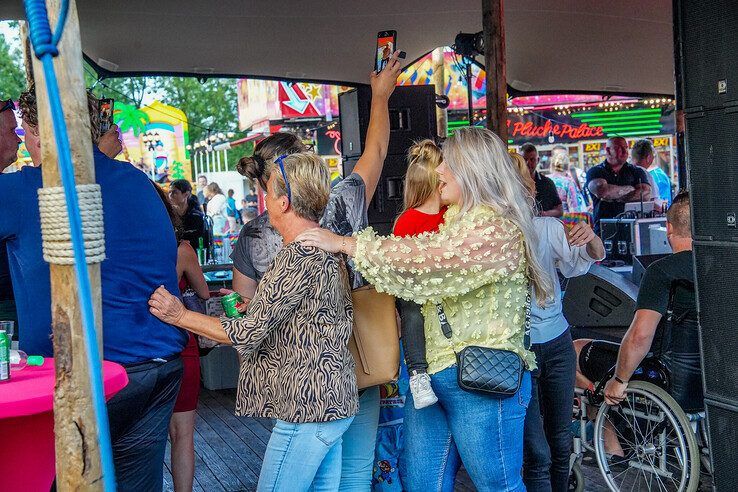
(57, 240)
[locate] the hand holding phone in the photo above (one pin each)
(386, 45)
(105, 108)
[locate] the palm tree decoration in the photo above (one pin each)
(129, 117)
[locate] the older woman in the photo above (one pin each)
(293, 338)
(478, 268)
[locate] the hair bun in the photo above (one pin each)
(423, 150)
(248, 167)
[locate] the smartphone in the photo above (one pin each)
(386, 45)
(105, 106)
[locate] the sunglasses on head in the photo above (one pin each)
(280, 163)
(9, 104)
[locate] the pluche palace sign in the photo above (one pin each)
(536, 128)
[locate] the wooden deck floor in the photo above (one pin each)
(229, 450)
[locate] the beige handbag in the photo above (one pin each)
(375, 341)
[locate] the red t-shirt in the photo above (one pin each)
(413, 222)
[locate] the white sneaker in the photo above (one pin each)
(420, 387)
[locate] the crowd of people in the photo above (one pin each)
(474, 260)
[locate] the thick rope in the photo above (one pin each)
(57, 245)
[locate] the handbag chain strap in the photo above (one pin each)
(446, 327)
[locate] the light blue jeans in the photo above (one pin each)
(303, 456)
(482, 431)
(359, 442)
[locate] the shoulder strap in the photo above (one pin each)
(526, 335)
(446, 327)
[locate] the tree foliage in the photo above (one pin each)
(12, 74)
(209, 105)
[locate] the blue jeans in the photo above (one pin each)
(303, 456)
(358, 444)
(482, 431)
(548, 421)
(139, 424)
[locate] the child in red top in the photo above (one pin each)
(423, 213)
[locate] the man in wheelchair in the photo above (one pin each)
(664, 328)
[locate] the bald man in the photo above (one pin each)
(616, 182)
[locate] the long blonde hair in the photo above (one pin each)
(421, 179)
(486, 174)
(528, 181)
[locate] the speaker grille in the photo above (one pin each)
(717, 285)
(712, 149)
(722, 424)
(709, 48)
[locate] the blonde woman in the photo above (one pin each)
(422, 212)
(293, 339)
(478, 267)
(564, 183)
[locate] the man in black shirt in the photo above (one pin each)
(616, 182)
(548, 202)
(681, 352)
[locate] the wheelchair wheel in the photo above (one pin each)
(659, 446)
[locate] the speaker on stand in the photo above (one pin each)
(707, 45)
(412, 114)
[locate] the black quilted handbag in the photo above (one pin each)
(488, 370)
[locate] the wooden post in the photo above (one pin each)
(493, 23)
(439, 81)
(78, 465)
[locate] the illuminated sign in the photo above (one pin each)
(564, 131)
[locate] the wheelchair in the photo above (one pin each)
(663, 447)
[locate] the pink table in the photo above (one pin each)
(27, 425)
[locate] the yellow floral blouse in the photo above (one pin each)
(474, 266)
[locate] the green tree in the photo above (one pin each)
(12, 74)
(212, 104)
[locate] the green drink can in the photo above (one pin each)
(4, 356)
(229, 303)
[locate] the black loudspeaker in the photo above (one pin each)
(387, 202)
(717, 290)
(712, 151)
(723, 432)
(708, 45)
(412, 111)
(600, 304)
(640, 264)
(709, 51)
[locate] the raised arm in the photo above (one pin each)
(369, 166)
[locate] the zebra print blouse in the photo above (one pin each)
(293, 340)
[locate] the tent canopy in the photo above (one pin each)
(620, 46)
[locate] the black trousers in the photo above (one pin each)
(139, 423)
(547, 437)
(413, 336)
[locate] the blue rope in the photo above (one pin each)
(45, 47)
